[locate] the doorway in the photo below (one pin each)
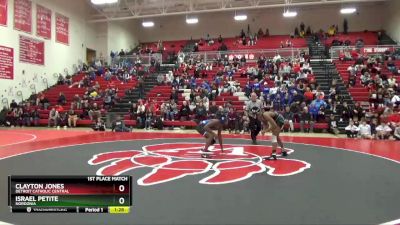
(90, 56)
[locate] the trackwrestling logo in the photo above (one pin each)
(173, 161)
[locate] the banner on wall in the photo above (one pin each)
(62, 29)
(23, 15)
(6, 63)
(31, 50)
(3, 12)
(43, 22)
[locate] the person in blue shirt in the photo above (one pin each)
(193, 82)
(256, 87)
(206, 86)
(315, 107)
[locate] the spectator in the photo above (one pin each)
(35, 117)
(396, 100)
(297, 98)
(149, 120)
(26, 120)
(289, 118)
(332, 125)
(308, 95)
(61, 99)
(172, 110)
(107, 101)
(392, 83)
(3, 116)
(213, 109)
(60, 79)
(332, 93)
(317, 109)
(141, 115)
(201, 112)
(383, 131)
(174, 95)
(133, 111)
(63, 120)
(160, 79)
(232, 121)
(396, 134)
(119, 125)
(107, 75)
(126, 77)
(184, 112)
(358, 111)
(374, 125)
(18, 116)
(10, 117)
(306, 119)
(351, 130)
(345, 112)
(77, 102)
(94, 112)
(365, 130)
(99, 125)
(93, 95)
(72, 118)
(53, 117)
(13, 104)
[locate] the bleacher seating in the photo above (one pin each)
(358, 91)
(270, 42)
(369, 38)
(53, 93)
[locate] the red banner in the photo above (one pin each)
(3, 12)
(31, 50)
(43, 22)
(6, 63)
(23, 15)
(62, 29)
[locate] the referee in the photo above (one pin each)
(253, 107)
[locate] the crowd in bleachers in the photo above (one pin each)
(373, 81)
(82, 98)
(197, 91)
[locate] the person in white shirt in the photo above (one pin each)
(396, 100)
(277, 57)
(169, 77)
(351, 130)
(383, 131)
(307, 68)
(351, 70)
(396, 134)
(392, 82)
(365, 130)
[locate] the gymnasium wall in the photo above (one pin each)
(370, 16)
(392, 20)
(57, 56)
(121, 35)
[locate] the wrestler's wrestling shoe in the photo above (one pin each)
(284, 153)
(205, 154)
(271, 157)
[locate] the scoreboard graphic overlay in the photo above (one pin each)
(69, 194)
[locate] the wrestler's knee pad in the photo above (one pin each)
(274, 139)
